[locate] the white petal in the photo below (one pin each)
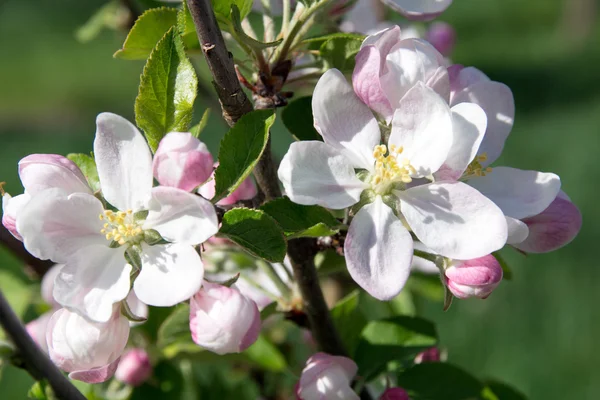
(517, 231)
(378, 250)
(422, 125)
(93, 280)
(39, 172)
(124, 162)
(170, 274)
(454, 220)
(468, 128)
(344, 121)
(313, 172)
(180, 216)
(54, 225)
(419, 10)
(518, 193)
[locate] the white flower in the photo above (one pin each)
(327, 377)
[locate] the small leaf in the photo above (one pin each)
(187, 29)
(256, 232)
(297, 117)
(393, 339)
(197, 129)
(268, 311)
(349, 320)
(451, 383)
(240, 150)
(319, 40)
(223, 7)
(165, 102)
(229, 282)
(340, 52)
(149, 28)
(301, 221)
(176, 327)
(87, 165)
(243, 37)
(266, 355)
(506, 270)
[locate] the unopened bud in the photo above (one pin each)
(394, 394)
(442, 36)
(474, 278)
(134, 367)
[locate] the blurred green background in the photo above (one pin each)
(537, 332)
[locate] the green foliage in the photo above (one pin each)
(168, 88)
(87, 165)
(298, 119)
(501, 391)
(349, 320)
(149, 28)
(223, 7)
(301, 221)
(506, 270)
(110, 15)
(394, 339)
(266, 355)
(256, 232)
(319, 40)
(174, 334)
(340, 52)
(197, 129)
(243, 37)
(41, 390)
(439, 381)
(187, 29)
(240, 150)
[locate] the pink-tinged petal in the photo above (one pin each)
(181, 217)
(96, 375)
(93, 280)
(394, 394)
(39, 172)
(343, 120)
(11, 207)
(134, 368)
(124, 162)
(462, 77)
(553, 228)
(384, 40)
(47, 287)
(55, 225)
(37, 330)
(454, 220)
(378, 251)
(422, 126)
(442, 36)
(518, 193)
(246, 191)
(440, 83)
(170, 274)
(517, 231)
(474, 278)
(313, 172)
(419, 10)
(497, 101)
(182, 161)
(468, 127)
(367, 84)
(327, 377)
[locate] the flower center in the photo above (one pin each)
(388, 168)
(120, 226)
(476, 169)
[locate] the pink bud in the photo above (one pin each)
(327, 377)
(37, 330)
(223, 320)
(48, 285)
(430, 355)
(246, 191)
(394, 394)
(10, 208)
(442, 36)
(182, 161)
(474, 278)
(134, 367)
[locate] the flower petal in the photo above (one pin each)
(170, 274)
(517, 231)
(313, 172)
(343, 120)
(39, 172)
(454, 220)
(422, 125)
(468, 128)
(93, 280)
(55, 225)
(366, 82)
(47, 286)
(180, 216)
(124, 162)
(518, 193)
(378, 251)
(11, 207)
(96, 375)
(419, 10)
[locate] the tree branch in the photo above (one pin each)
(37, 363)
(235, 104)
(16, 247)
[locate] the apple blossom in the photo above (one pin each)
(473, 278)
(223, 320)
(47, 286)
(451, 218)
(37, 330)
(88, 350)
(396, 393)
(245, 191)
(75, 228)
(327, 377)
(134, 367)
(419, 10)
(10, 208)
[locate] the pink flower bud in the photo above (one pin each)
(182, 161)
(134, 367)
(430, 355)
(10, 208)
(246, 191)
(89, 351)
(37, 330)
(48, 285)
(223, 320)
(327, 377)
(442, 36)
(474, 278)
(394, 394)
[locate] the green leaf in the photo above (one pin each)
(266, 355)
(41, 390)
(187, 29)
(297, 117)
(439, 381)
(506, 270)
(165, 102)
(223, 7)
(319, 40)
(268, 311)
(428, 286)
(256, 232)
(176, 328)
(240, 150)
(502, 391)
(149, 28)
(393, 339)
(197, 129)
(243, 37)
(301, 221)
(340, 52)
(349, 320)
(110, 15)
(87, 165)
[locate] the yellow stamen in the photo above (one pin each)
(476, 169)
(387, 168)
(120, 226)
